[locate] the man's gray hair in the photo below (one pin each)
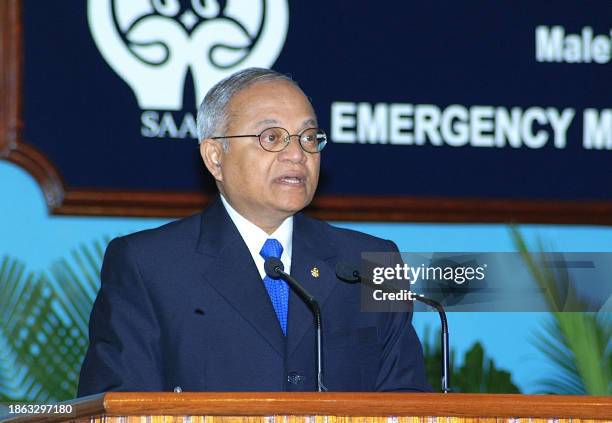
(213, 117)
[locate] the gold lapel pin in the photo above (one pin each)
(314, 272)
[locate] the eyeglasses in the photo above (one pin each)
(312, 140)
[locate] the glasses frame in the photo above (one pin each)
(287, 139)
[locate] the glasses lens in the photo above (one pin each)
(273, 139)
(313, 140)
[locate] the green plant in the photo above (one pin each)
(477, 373)
(577, 344)
(43, 325)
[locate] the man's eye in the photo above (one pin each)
(271, 138)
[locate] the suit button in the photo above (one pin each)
(295, 379)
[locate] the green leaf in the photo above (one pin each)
(43, 331)
(577, 344)
(477, 374)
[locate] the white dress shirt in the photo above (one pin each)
(255, 237)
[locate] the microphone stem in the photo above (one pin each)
(446, 361)
(432, 303)
(317, 313)
(443, 339)
(300, 291)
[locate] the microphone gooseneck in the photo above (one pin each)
(275, 269)
(349, 273)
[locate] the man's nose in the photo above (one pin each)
(293, 151)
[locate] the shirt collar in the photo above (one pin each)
(255, 237)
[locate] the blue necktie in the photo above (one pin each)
(277, 288)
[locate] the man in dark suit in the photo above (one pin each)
(189, 304)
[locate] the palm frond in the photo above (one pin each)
(577, 343)
(18, 306)
(583, 333)
(43, 336)
(549, 341)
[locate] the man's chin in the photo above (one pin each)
(294, 204)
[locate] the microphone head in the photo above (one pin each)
(347, 272)
(272, 265)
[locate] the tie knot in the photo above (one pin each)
(271, 248)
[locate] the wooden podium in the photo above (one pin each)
(228, 407)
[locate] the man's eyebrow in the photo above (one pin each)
(266, 122)
(309, 123)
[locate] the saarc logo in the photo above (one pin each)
(151, 44)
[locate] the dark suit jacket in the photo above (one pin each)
(183, 305)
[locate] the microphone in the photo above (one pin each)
(349, 273)
(275, 269)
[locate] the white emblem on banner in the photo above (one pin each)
(152, 44)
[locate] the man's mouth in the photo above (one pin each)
(291, 179)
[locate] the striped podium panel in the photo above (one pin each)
(199, 407)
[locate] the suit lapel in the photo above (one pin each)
(310, 250)
(228, 266)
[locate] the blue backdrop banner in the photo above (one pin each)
(479, 99)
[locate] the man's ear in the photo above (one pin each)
(211, 152)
